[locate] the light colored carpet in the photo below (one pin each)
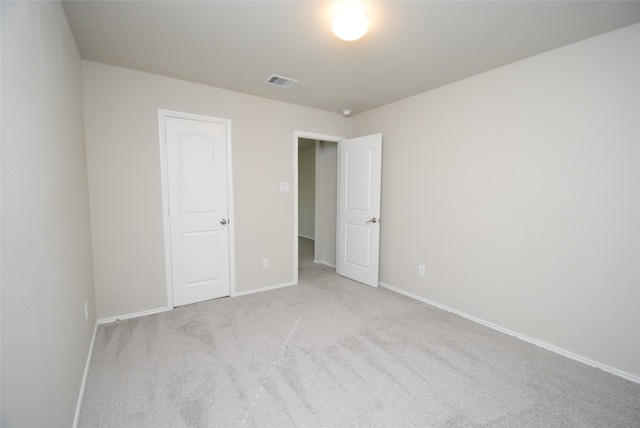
(334, 353)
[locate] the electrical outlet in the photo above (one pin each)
(86, 310)
(422, 271)
(265, 263)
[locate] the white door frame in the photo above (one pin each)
(310, 136)
(162, 115)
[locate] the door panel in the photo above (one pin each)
(197, 178)
(358, 239)
(358, 168)
(200, 257)
(360, 164)
(197, 173)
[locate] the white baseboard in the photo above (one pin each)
(134, 315)
(260, 290)
(83, 385)
(322, 262)
(536, 342)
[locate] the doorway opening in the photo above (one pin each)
(315, 192)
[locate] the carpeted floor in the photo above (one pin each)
(334, 353)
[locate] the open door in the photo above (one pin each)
(360, 167)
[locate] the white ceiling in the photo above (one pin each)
(411, 46)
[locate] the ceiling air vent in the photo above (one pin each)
(283, 82)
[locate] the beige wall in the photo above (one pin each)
(121, 114)
(307, 192)
(46, 246)
(519, 190)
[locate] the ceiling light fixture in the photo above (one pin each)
(350, 22)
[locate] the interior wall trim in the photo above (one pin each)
(322, 262)
(83, 384)
(260, 290)
(133, 315)
(536, 342)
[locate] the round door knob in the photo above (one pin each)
(223, 221)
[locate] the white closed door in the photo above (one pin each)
(360, 168)
(198, 209)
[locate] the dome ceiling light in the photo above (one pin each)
(350, 22)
